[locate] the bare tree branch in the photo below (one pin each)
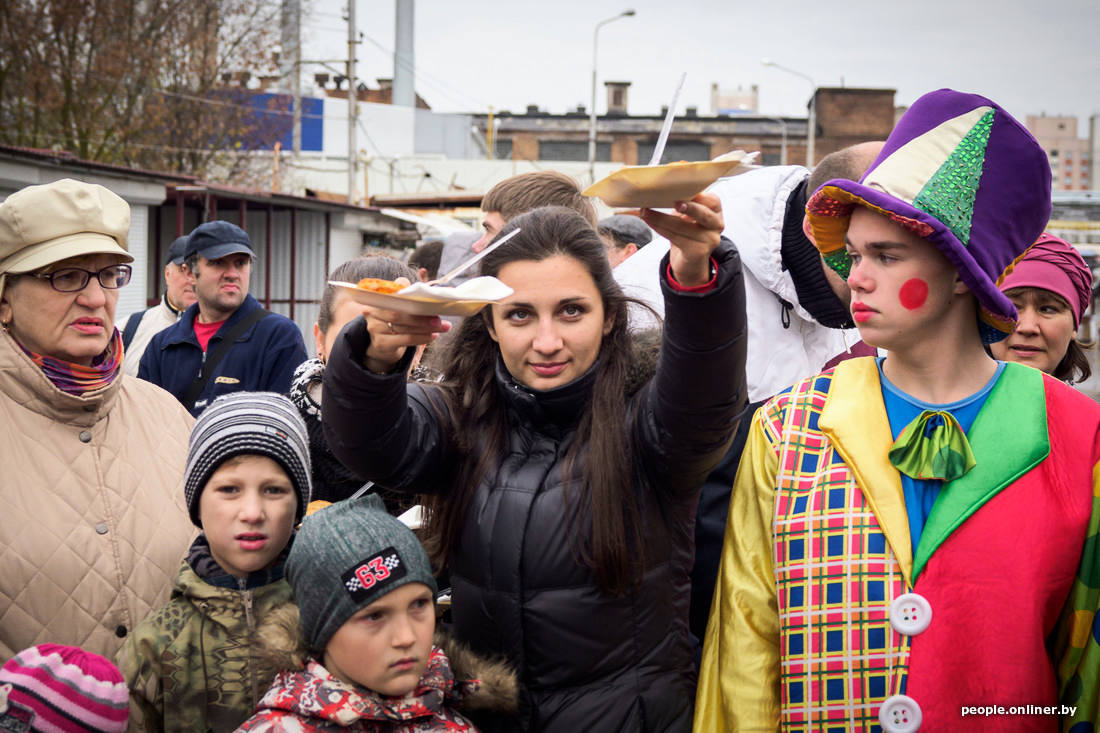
(159, 84)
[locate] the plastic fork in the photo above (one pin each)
(473, 260)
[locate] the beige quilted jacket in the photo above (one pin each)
(92, 518)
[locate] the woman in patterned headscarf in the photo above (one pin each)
(331, 480)
(1051, 286)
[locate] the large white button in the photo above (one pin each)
(910, 614)
(899, 714)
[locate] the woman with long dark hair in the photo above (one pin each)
(564, 483)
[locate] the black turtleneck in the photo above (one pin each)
(803, 261)
(561, 406)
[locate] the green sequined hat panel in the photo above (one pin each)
(840, 262)
(949, 194)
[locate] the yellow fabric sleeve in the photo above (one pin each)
(739, 680)
(1074, 643)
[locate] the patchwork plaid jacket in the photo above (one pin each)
(824, 614)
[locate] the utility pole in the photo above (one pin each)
(490, 147)
(353, 103)
(290, 72)
(292, 63)
(296, 90)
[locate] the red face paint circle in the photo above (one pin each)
(913, 293)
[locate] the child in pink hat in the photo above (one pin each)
(62, 689)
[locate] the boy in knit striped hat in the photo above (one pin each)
(192, 665)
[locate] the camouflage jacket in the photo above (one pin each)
(194, 664)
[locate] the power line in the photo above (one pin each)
(122, 144)
(342, 16)
(228, 104)
(440, 85)
(317, 27)
(362, 126)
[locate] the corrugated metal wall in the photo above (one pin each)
(132, 297)
(312, 273)
(256, 226)
(295, 267)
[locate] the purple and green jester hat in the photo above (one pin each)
(962, 173)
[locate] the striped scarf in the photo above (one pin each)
(76, 379)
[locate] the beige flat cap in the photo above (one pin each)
(43, 224)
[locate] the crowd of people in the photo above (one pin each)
(802, 453)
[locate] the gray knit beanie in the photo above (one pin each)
(247, 423)
(344, 558)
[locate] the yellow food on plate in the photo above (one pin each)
(378, 285)
(317, 505)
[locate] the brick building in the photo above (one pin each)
(848, 116)
(844, 116)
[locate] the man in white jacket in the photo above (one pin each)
(797, 315)
(179, 294)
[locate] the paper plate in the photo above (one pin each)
(661, 186)
(433, 300)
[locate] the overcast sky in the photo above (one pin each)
(1030, 57)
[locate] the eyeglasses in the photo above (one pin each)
(74, 279)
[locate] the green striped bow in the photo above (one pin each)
(933, 446)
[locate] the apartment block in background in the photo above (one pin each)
(1071, 158)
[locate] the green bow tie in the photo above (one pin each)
(933, 446)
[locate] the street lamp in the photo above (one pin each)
(592, 111)
(812, 133)
(783, 144)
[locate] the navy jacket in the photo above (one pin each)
(263, 359)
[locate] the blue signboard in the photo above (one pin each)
(275, 114)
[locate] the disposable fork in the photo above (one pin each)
(473, 261)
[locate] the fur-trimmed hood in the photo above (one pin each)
(469, 682)
(647, 349)
(497, 687)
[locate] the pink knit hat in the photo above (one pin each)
(62, 689)
(1053, 264)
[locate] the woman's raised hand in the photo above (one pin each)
(694, 232)
(391, 332)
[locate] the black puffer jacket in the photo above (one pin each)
(587, 661)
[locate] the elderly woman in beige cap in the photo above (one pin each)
(92, 525)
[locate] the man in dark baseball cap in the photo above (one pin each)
(216, 239)
(177, 252)
(623, 236)
(261, 349)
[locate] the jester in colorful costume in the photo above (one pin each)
(912, 539)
